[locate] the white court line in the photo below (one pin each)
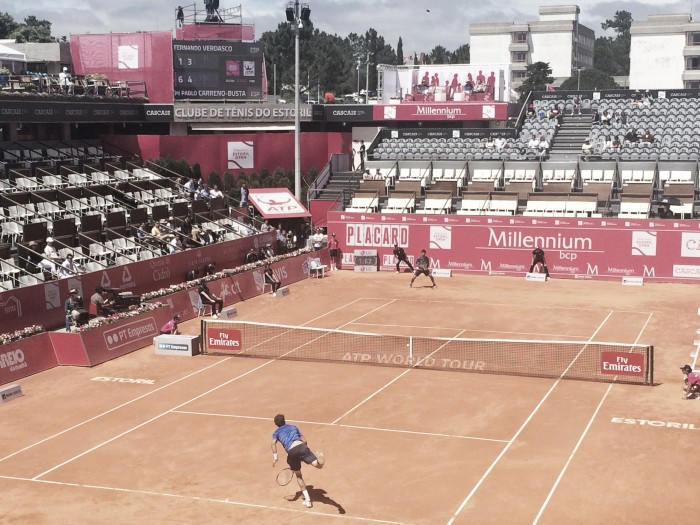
(510, 305)
(206, 500)
(583, 435)
(522, 427)
(174, 408)
(358, 427)
(394, 380)
(78, 425)
(469, 330)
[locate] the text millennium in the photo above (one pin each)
(517, 239)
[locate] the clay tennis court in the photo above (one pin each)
(190, 442)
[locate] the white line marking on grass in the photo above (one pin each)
(580, 440)
(522, 427)
(226, 501)
(341, 425)
(78, 425)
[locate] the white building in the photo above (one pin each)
(665, 53)
(557, 39)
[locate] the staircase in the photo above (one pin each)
(566, 145)
(341, 185)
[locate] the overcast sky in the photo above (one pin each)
(447, 22)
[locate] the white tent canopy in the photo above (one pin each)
(10, 55)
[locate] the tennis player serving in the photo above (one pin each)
(422, 268)
(295, 445)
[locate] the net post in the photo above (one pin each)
(650, 350)
(410, 350)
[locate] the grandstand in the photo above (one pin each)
(92, 203)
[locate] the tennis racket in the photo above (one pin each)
(284, 477)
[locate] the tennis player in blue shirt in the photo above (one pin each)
(297, 451)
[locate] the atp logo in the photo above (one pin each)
(441, 237)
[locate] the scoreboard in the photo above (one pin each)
(217, 69)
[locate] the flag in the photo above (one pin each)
(550, 87)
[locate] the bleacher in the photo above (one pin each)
(91, 204)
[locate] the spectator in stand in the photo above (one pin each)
(530, 110)
(533, 143)
(631, 137)
(499, 143)
(488, 143)
(186, 226)
(174, 244)
(207, 237)
(607, 143)
(367, 175)
(542, 147)
(269, 252)
(556, 114)
(362, 152)
(51, 258)
(141, 232)
(251, 256)
(648, 137)
(469, 87)
(378, 175)
(69, 267)
(65, 81)
(195, 239)
(209, 298)
(291, 241)
(190, 188)
(576, 108)
(616, 145)
(203, 192)
(215, 193)
(587, 147)
(266, 226)
(605, 118)
(637, 98)
(623, 118)
(244, 195)
(281, 240)
(210, 269)
(596, 118)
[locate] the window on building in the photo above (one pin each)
(693, 38)
(691, 84)
(518, 56)
(517, 75)
(692, 63)
(520, 37)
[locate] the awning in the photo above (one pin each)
(10, 55)
(276, 203)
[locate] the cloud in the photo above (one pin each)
(446, 24)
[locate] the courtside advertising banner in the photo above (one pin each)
(576, 248)
(622, 364)
(222, 340)
(26, 357)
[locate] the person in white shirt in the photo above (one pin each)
(499, 143)
(214, 192)
(64, 80)
(378, 175)
(318, 239)
(533, 143)
(69, 267)
(51, 257)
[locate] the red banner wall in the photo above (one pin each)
(26, 357)
(581, 248)
(242, 286)
(442, 111)
(271, 150)
(43, 303)
(109, 341)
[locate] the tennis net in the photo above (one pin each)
(595, 361)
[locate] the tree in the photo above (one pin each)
(591, 79)
(399, 52)
(7, 25)
(612, 55)
(537, 76)
(439, 55)
(33, 30)
(461, 55)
